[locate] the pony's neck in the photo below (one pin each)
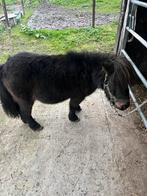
(101, 60)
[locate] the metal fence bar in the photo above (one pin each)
(126, 29)
(138, 108)
(138, 37)
(142, 78)
(140, 3)
(123, 36)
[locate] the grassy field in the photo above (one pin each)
(9, 2)
(53, 41)
(101, 38)
(102, 6)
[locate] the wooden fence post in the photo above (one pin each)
(93, 13)
(5, 13)
(23, 8)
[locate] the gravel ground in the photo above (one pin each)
(141, 95)
(101, 155)
(57, 17)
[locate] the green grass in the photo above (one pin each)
(58, 41)
(102, 6)
(101, 38)
(10, 2)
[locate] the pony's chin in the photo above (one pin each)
(122, 104)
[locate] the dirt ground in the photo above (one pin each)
(101, 155)
(57, 17)
(141, 94)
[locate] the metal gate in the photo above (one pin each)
(126, 33)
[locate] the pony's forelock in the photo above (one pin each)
(121, 69)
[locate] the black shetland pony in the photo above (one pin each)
(27, 77)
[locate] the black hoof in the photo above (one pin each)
(77, 120)
(73, 118)
(39, 128)
(36, 127)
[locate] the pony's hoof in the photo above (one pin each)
(77, 120)
(73, 118)
(37, 127)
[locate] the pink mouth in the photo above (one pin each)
(122, 104)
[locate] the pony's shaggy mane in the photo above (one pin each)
(121, 68)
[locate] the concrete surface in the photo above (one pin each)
(102, 155)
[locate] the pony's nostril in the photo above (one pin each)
(121, 105)
(124, 107)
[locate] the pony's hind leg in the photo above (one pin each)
(73, 108)
(78, 108)
(25, 113)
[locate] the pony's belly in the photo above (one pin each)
(51, 98)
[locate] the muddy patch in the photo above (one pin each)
(57, 17)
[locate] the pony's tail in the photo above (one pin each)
(10, 107)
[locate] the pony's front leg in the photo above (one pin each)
(73, 108)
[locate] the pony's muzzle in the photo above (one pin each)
(122, 104)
